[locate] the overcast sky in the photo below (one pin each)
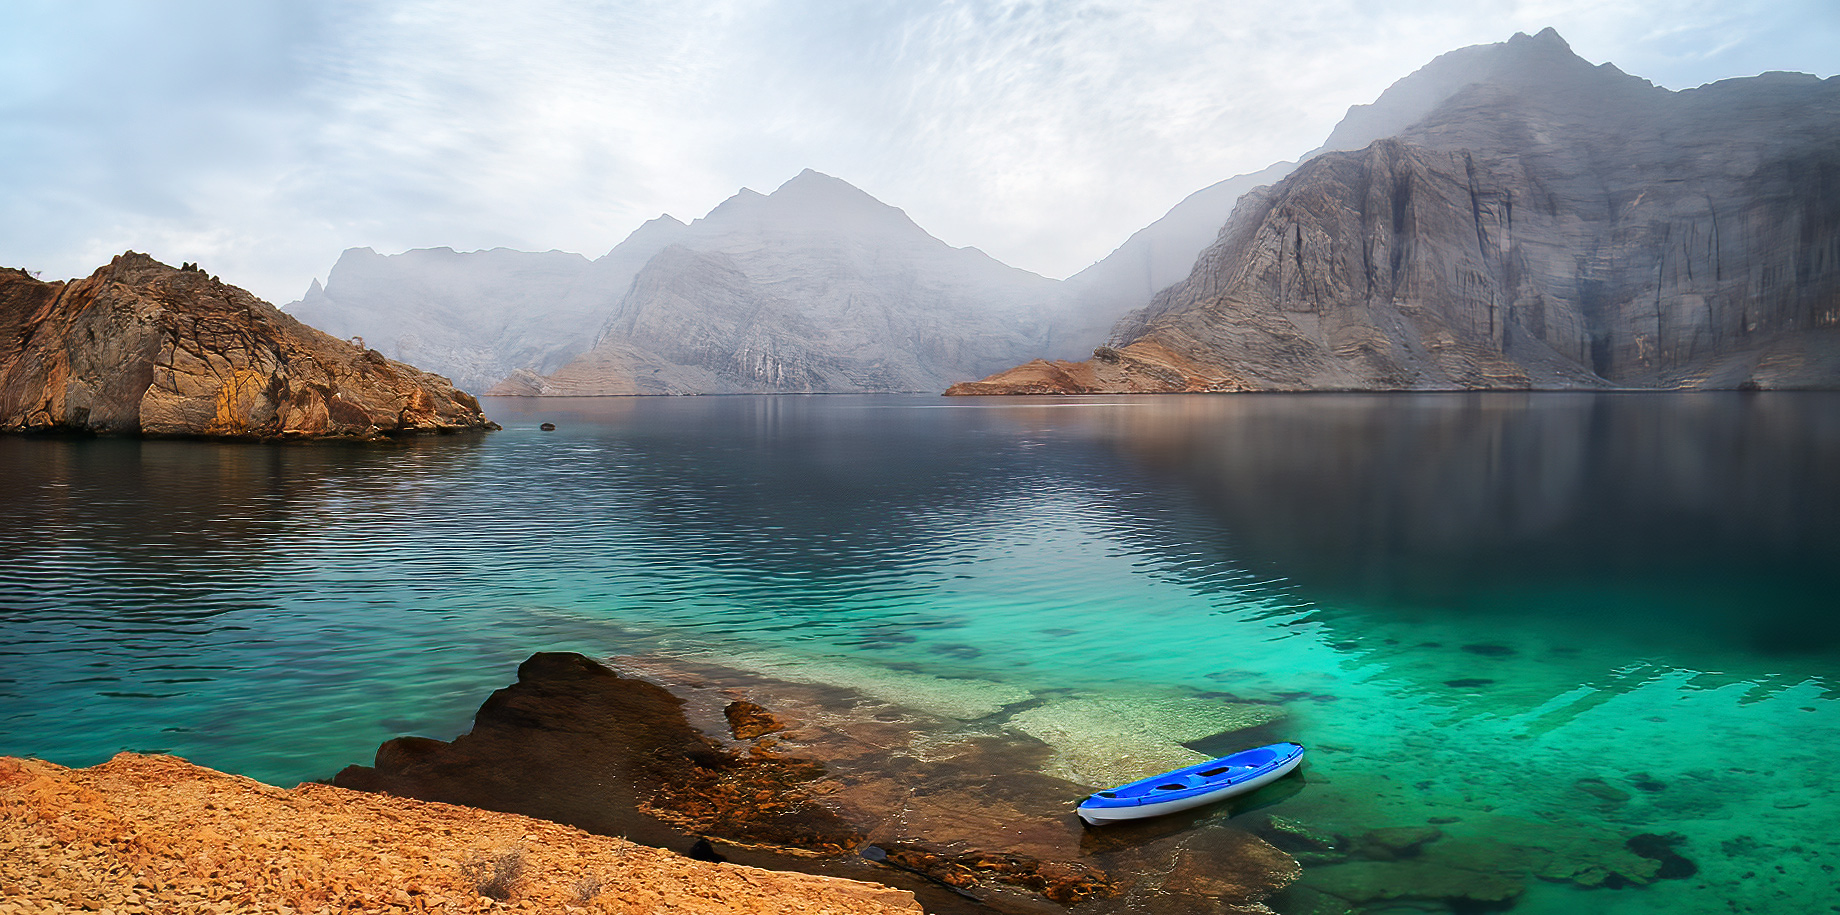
(262, 138)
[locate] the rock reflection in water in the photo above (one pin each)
(1712, 517)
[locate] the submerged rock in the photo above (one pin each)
(1393, 842)
(143, 348)
(748, 721)
(1306, 843)
(1660, 849)
(576, 743)
(834, 780)
(1602, 790)
(1365, 882)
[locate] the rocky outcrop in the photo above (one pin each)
(157, 834)
(1560, 225)
(826, 780)
(143, 348)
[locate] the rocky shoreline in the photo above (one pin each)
(142, 348)
(828, 780)
(154, 834)
(953, 796)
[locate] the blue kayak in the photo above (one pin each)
(1202, 783)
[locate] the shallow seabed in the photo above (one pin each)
(1546, 624)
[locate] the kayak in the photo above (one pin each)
(1193, 786)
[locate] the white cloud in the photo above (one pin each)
(260, 139)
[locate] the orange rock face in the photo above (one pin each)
(157, 834)
(142, 348)
(1144, 367)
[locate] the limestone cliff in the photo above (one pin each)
(1163, 253)
(1561, 225)
(143, 348)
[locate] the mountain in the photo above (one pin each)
(1556, 225)
(143, 348)
(817, 287)
(477, 317)
(1163, 253)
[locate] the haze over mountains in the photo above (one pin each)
(1394, 256)
(1557, 225)
(817, 287)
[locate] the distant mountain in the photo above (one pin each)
(1555, 225)
(477, 317)
(1162, 254)
(141, 348)
(817, 287)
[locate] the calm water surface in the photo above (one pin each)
(1464, 604)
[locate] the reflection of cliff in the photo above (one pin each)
(1719, 509)
(76, 510)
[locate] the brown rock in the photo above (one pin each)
(142, 348)
(748, 721)
(369, 853)
(575, 743)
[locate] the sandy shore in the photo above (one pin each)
(155, 834)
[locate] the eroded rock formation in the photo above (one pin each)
(1560, 225)
(140, 347)
(827, 781)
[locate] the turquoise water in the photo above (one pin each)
(1556, 620)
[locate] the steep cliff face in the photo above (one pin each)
(1565, 225)
(140, 347)
(1163, 253)
(817, 287)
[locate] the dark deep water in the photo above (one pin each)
(1485, 598)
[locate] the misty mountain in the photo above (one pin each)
(476, 317)
(1557, 225)
(817, 287)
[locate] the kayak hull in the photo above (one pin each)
(1193, 786)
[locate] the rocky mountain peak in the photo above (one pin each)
(811, 203)
(1547, 37)
(1540, 66)
(1550, 224)
(653, 234)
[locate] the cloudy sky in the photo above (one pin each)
(262, 138)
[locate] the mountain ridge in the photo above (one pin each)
(1518, 237)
